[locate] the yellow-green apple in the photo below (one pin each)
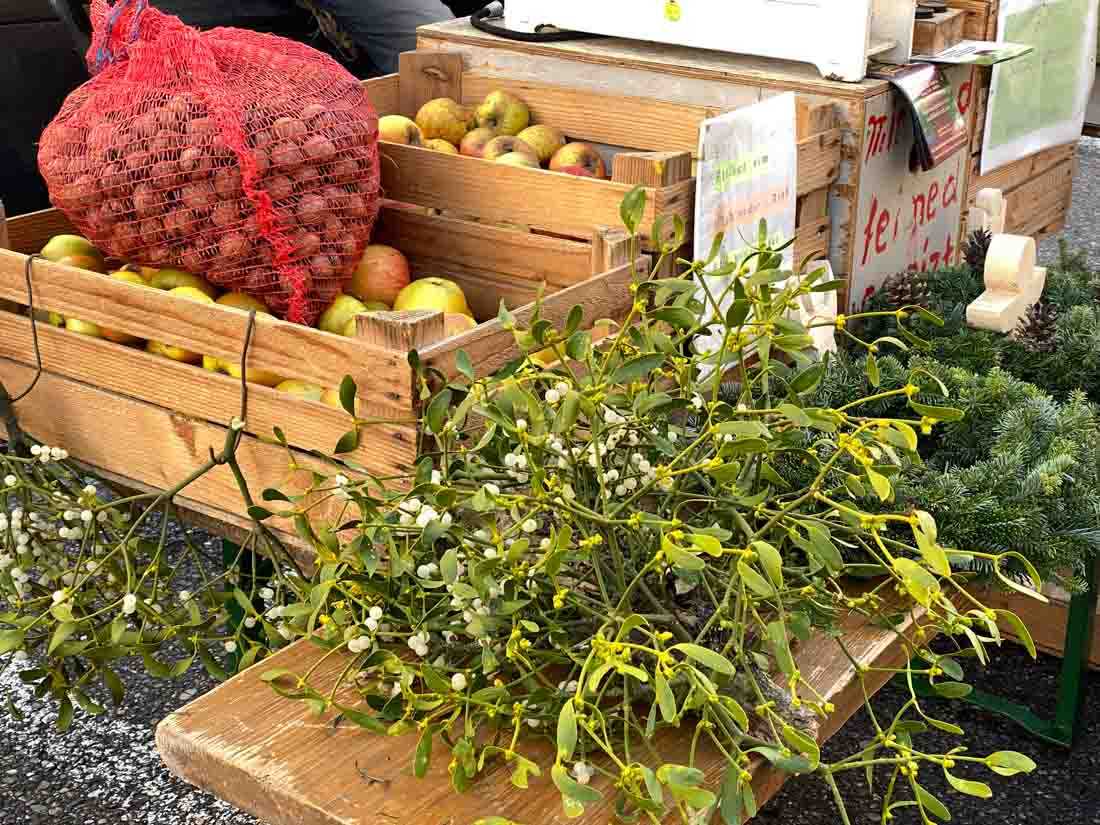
(335, 318)
(382, 273)
(351, 328)
(504, 112)
(241, 301)
(74, 250)
(580, 159)
(83, 328)
(504, 144)
(545, 140)
(169, 279)
(442, 118)
(455, 323)
(302, 389)
(331, 397)
(399, 129)
(519, 159)
(437, 294)
(441, 145)
(475, 142)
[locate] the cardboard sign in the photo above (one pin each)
(748, 162)
(906, 220)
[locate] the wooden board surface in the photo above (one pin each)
(673, 61)
(1009, 177)
(270, 757)
(1045, 622)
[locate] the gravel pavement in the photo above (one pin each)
(106, 770)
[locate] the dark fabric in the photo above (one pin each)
(464, 8)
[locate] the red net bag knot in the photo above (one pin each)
(242, 157)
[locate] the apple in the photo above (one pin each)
(580, 159)
(169, 279)
(335, 318)
(382, 273)
(351, 329)
(545, 140)
(441, 145)
(331, 398)
(189, 293)
(129, 277)
(51, 318)
(74, 250)
(442, 118)
(475, 142)
(83, 328)
(504, 112)
(255, 376)
(437, 294)
(302, 389)
(506, 144)
(455, 323)
(399, 129)
(243, 302)
(519, 159)
(212, 364)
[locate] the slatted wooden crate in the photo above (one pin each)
(981, 18)
(147, 422)
(653, 141)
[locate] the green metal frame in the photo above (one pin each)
(1060, 730)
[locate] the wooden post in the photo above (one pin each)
(400, 331)
(651, 168)
(425, 76)
(610, 248)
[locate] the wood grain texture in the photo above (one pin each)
(654, 169)
(981, 18)
(400, 331)
(1047, 191)
(941, 32)
(159, 447)
(277, 346)
(196, 393)
(268, 756)
(490, 346)
(425, 76)
(384, 93)
(1045, 622)
(1015, 174)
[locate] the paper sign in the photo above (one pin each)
(748, 162)
(976, 53)
(1039, 100)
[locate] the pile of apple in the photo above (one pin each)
(499, 129)
(382, 282)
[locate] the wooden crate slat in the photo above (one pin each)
(1009, 177)
(287, 349)
(268, 756)
(384, 93)
(1045, 622)
(532, 257)
(1046, 191)
(158, 447)
(198, 393)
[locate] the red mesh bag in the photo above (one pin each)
(242, 157)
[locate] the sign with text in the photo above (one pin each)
(906, 220)
(747, 167)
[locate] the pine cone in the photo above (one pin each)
(976, 249)
(906, 289)
(1038, 330)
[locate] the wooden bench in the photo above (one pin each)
(272, 758)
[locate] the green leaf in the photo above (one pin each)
(65, 714)
(423, 759)
(436, 414)
(567, 732)
(568, 412)
(706, 657)
(572, 789)
(255, 512)
(756, 583)
(363, 720)
(921, 584)
(777, 635)
(1019, 630)
(938, 413)
(652, 785)
(771, 561)
(952, 690)
(880, 484)
(61, 633)
(632, 208)
(1009, 763)
(349, 442)
(808, 379)
(925, 534)
(795, 415)
(637, 368)
(708, 544)
(579, 345)
(677, 317)
(114, 685)
(86, 704)
(462, 362)
(931, 804)
(822, 546)
(873, 374)
(969, 786)
(665, 698)
(801, 743)
(448, 566)
(348, 393)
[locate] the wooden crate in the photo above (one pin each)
(147, 422)
(1038, 189)
(943, 31)
(271, 757)
(981, 18)
(652, 139)
(875, 139)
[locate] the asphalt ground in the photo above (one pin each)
(105, 770)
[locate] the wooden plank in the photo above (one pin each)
(1015, 174)
(200, 394)
(425, 76)
(1047, 190)
(384, 93)
(268, 756)
(812, 240)
(385, 380)
(942, 32)
(980, 15)
(29, 233)
(611, 248)
(491, 346)
(156, 446)
(677, 64)
(656, 169)
(401, 331)
(1045, 622)
(506, 251)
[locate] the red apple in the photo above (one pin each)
(381, 275)
(505, 144)
(475, 142)
(574, 156)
